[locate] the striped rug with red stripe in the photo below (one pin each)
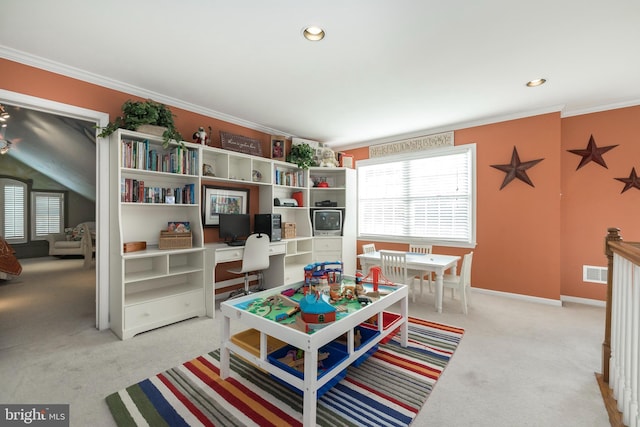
(388, 389)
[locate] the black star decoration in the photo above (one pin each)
(631, 182)
(516, 169)
(592, 152)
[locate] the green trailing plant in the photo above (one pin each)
(149, 112)
(301, 155)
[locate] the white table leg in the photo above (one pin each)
(404, 329)
(439, 289)
(310, 388)
(225, 356)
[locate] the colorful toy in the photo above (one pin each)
(320, 274)
(295, 359)
(314, 309)
(376, 278)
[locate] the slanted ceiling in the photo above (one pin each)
(62, 148)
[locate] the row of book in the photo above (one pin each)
(140, 155)
(134, 191)
(289, 177)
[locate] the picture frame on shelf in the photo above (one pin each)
(346, 160)
(278, 147)
(217, 200)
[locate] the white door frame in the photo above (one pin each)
(102, 188)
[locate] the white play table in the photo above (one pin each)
(310, 343)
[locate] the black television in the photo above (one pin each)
(234, 228)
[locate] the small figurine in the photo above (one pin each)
(201, 137)
(328, 159)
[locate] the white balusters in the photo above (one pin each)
(624, 369)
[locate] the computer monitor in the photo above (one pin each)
(234, 228)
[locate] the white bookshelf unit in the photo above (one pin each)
(156, 287)
(150, 187)
(341, 191)
(285, 181)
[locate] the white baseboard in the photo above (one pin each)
(529, 298)
(558, 303)
(586, 301)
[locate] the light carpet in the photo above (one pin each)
(388, 389)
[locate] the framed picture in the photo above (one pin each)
(217, 200)
(277, 147)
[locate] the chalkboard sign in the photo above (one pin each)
(241, 144)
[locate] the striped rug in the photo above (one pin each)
(388, 389)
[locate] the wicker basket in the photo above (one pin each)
(174, 240)
(289, 230)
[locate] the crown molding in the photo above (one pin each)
(453, 127)
(89, 77)
(601, 108)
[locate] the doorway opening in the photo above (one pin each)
(100, 164)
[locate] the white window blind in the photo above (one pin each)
(14, 210)
(429, 196)
(48, 217)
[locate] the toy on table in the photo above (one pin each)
(322, 274)
(376, 278)
(281, 301)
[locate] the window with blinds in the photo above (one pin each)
(48, 213)
(428, 196)
(14, 210)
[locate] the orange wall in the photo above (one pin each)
(534, 241)
(591, 198)
(531, 240)
(518, 230)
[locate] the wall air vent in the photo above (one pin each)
(594, 274)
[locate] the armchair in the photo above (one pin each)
(80, 241)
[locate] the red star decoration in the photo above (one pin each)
(631, 182)
(516, 169)
(592, 152)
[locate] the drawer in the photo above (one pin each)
(277, 248)
(327, 244)
(327, 256)
(163, 310)
(233, 254)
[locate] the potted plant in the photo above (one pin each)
(139, 113)
(301, 155)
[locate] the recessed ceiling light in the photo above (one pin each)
(313, 33)
(536, 82)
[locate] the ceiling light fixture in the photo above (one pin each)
(536, 82)
(4, 146)
(313, 33)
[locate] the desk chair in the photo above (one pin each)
(461, 282)
(368, 248)
(421, 249)
(254, 258)
(394, 266)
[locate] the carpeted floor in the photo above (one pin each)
(388, 389)
(521, 363)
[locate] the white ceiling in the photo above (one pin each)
(385, 69)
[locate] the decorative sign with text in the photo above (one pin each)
(413, 144)
(241, 144)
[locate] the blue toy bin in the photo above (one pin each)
(366, 335)
(336, 356)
